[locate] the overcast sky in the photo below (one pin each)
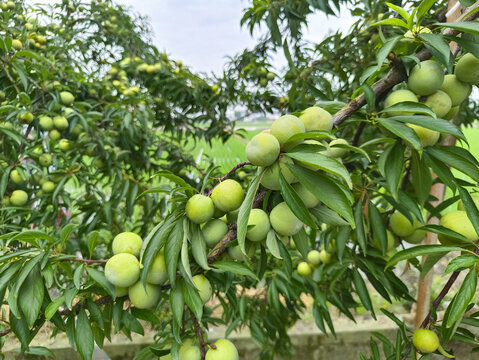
(203, 33)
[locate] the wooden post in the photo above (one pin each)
(438, 190)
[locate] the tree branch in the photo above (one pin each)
(396, 74)
(199, 335)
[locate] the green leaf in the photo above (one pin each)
(437, 229)
(198, 246)
(341, 239)
(100, 278)
(392, 21)
(421, 177)
(324, 163)
(30, 236)
(192, 299)
(401, 130)
(471, 27)
(420, 250)
(360, 228)
(234, 267)
(463, 297)
(301, 241)
(471, 208)
(436, 44)
(177, 306)
(436, 124)
(172, 251)
(389, 45)
(295, 203)
(410, 107)
(272, 244)
(245, 209)
(370, 96)
(461, 262)
(378, 227)
(27, 268)
(362, 291)
(176, 179)
(395, 167)
(185, 256)
(65, 233)
(53, 307)
(131, 323)
(326, 190)
(327, 216)
(84, 336)
(456, 159)
(20, 329)
(399, 10)
(423, 8)
(30, 297)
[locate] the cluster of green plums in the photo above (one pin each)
(443, 94)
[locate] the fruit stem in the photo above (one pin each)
(444, 352)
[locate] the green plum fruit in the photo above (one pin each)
(426, 77)
(309, 199)
(262, 150)
(122, 270)
(48, 186)
(416, 237)
(325, 256)
(452, 113)
(127, 242)
(213, 231)
(54, 134)
(314, 257)
(60, 122)
(304, 269)
(17, 177)
(45, 160)
(270, 178)
(121, 291)
(428, 137)
(144, 297)
(401, 226)
(189, 350)
(316, 118)
(157, 274)
(336, 151)
(204, 287)
(396, 97)
(66, 98)
(459, 222)
(227, 195)
(200, 208)
(223, 350)
(19, 198)
(439, 102)
(426, 341)
(45, 122)
(475, 198)
(457, 90)
(467, 69)
(259, 221)
(391, 241)
(283, 221)
(284, 127)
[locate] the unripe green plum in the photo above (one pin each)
(284, 127)
(452, 113)
(261, 225)
(224, 350)
(199, 208)
(25, 117)
(157, 274)
(457, 90)
(64, 144)
(391, 241)
(19, 198)
(232, 216)
(309, 199)
(144, 297)
(60, 122)
(426, 341)
(283, 221)
(467, 69)
(401, 226)
(459, 222)
(428, 137)
(316, 118)
(304, 269)
(46, 122)
(475, 198)
(213, 231)
(127, 242)
(227, 195)
(189, 350)
(314, 257)
(17, 44)
(204, 287)
(338, 152)
(66, 98)
(396, 97)
(16, 177)
(48, 187)
(416, 237)
(121, 291)
(426, 77)
(5, 201)
(122, 270)
(262, 150)
(270, 178)
(325, 256)
(54, 134)
(45, 160)
(439, 102)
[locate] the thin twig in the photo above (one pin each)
(357, 134)
(228, 174)
(199, 335)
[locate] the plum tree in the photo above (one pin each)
(204, 287)
(285, 127)
(316, 118)
(426, 77)
(127, 242)
(262, 150)
(467, 69)
(157, 273)
(223, 350)
(200, 208)
(213, 231)
(122, 270)
(259, 221)
(144, 296)
(227, 195)
(283, 221)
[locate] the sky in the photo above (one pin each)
(203, 33)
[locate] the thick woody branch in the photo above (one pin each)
(396, 74)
